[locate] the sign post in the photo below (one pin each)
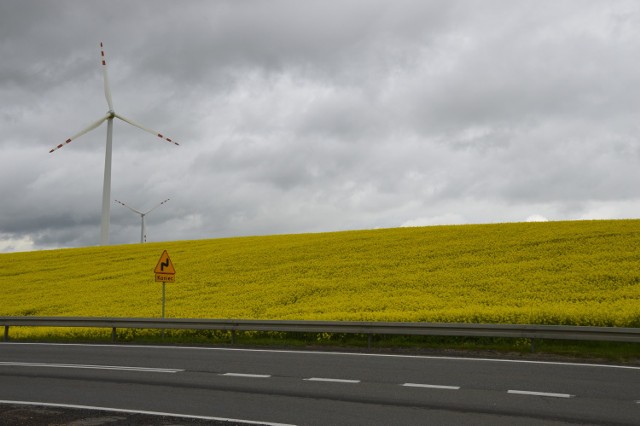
(163, 297)
(165, 273)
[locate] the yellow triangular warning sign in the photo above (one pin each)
(165, 265)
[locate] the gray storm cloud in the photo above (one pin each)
(316, 116)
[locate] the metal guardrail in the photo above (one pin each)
(611, 334)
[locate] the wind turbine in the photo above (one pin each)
(143, 234)
(111, 114)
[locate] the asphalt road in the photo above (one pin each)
(317, 388)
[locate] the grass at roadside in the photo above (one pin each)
(434, 345)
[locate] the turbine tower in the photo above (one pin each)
(111, 114)
(143, 234)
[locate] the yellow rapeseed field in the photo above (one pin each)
(579, 273)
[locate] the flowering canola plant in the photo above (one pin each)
(571, 273)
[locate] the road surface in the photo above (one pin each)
(317, 388)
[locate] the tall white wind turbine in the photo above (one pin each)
(143, 233)
(111, 114)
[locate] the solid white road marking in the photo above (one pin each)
(446, 358)
(549, 394)
(324, 379)
(150, 413)
(420, 385)
(91, 367)
(258, 376)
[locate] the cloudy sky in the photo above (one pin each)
(312, 116)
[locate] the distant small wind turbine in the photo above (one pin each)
(106, 189)
(143, 234)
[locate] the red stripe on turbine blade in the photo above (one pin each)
(67, 141)
(104, 63)
(166, 139)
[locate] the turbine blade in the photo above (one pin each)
(130, 208)
(86, 130)
(158, 206)
(153, 132)
(107, 89)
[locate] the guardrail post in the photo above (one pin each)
(113, 335)
(233, 337)
(6, 333)
(533, 345)
(369, 340)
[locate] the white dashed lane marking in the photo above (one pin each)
(422, 385)
(547, 394)
(324, 379)
(255, 376)
(90, 367)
